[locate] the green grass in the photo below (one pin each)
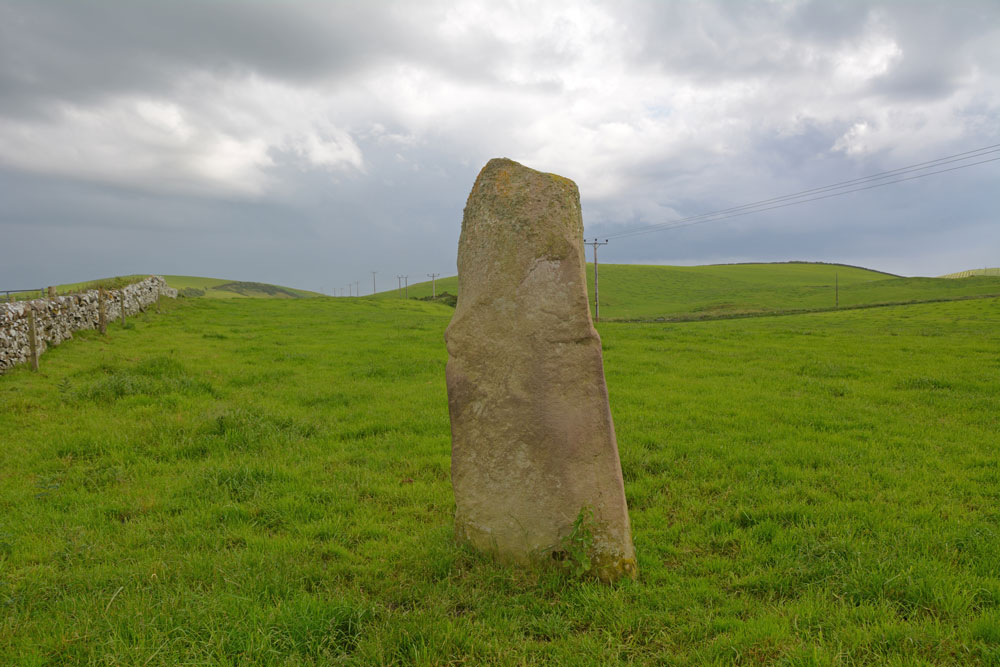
(268, 482)
(220, 288)
(636, 292)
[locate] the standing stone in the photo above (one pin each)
(533, 443)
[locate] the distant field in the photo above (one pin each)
(631, 292)
(267, 482)
(974, 272)
(420, 290)
(219, 288)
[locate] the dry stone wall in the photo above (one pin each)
(56, 318)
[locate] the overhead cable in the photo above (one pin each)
(833, 190)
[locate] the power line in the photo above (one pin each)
(881, 175)
(803, 196)
(682, 222)
(868, 179)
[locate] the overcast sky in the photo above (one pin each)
(308, 144)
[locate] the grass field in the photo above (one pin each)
(635, 292)
(266, 481)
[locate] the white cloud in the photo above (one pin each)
(220, 137)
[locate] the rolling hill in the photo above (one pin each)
(213, 288)
(219, 288)
(643, 292)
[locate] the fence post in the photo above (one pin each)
(122, 292)
(157, 297)
(102, 316)
(52, 292)
(32, 339)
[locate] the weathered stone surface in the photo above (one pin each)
(533, 443)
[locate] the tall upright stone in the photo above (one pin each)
(533, 443)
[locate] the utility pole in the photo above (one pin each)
(357, 288)
(406, 287)
(399, 285)
(433, 277)
(373, 281)
(597, 304)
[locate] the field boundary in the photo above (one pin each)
(799, 261)
(796, 311)
(28, 328)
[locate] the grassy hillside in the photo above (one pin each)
(107, 283)
(213, 288)
(974, 272)
(267, 482)
(695, 292)
(218, 288)
(422, 290)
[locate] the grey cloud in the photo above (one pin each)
(81, 50)
(719, 41)
(943, 45)
(714, 41)
(84, 50)
(315, 226)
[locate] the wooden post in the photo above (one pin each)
(102, 313)
(122, 293)
(52, 292)
(32, 339)
(157, 297)
(836, 290)
(597, 302)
